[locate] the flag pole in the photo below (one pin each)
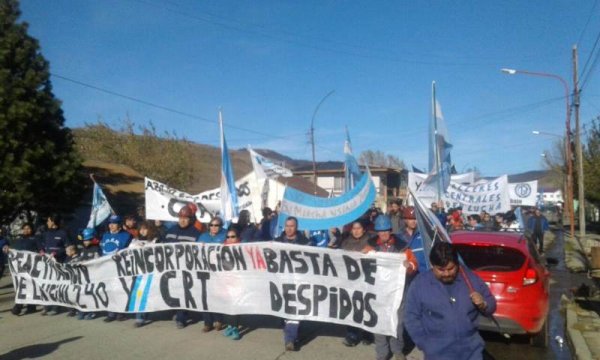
(435, 143)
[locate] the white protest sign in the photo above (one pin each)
(485, 195)
(163, 202)
(523, 193)
(269, 278)
(416, 183)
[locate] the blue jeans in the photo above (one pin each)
(290, 331)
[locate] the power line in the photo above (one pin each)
(165, 108)
(296, 39)
(587, 22)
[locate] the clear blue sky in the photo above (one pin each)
(267, 64)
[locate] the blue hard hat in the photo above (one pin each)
(88, 234)
(383, 223)
(114, 219)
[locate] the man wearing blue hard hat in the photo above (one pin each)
(388, 242)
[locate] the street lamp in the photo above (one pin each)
(312, 137)
(568, 159)
(537, 132)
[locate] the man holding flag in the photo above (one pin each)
(442, 308)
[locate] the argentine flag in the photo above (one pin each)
(351, 169)
(100, 207)
(229, 201)
(139, 293)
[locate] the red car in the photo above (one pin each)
(511, 266)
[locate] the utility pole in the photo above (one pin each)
(578, 148)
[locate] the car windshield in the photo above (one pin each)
(490, 258)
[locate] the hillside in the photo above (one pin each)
(182, 164)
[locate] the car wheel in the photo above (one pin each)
(541, 338)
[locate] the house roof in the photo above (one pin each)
(302, 184)
(332, 167)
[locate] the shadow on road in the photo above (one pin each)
(37, 350)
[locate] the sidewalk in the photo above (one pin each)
(583, 331)
(582, 319)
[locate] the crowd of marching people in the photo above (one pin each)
(393, 232)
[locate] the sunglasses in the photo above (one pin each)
(215, 225)
(232, 237)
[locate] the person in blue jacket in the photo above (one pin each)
(112, 241)
(442, 307)
(291, 235)
(216, 234)
(28, 241)
(413, 238)
(537, 225)
(54, 241)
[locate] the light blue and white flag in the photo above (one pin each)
(351, 169)
(229, 201)
(100, 207)
(440, 163)
(267, 168)
(317, 213)
(140, 292)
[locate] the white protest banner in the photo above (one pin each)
(163, 202)
(491, 196)
(523, 193)
(428, 192)
(485, 195)
(269, 278)
(416, 181)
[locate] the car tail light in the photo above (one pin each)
(530, 277)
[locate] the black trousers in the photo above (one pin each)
(538, 238)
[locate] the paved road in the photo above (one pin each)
(60, 337)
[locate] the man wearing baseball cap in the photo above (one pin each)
(113, 240)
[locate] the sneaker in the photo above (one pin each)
(52, 312)
(121, 317)
(218, 325)
(80, 316)
(30, 309)
(207, 328)
(349, 342)
(109, 319)
(228, 331)
(235, 334)
(138, 323)
(16, 310)
(72, 313)
(44, 312)
(179, 324)
(290, 346)
(90, 316)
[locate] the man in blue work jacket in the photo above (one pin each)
(442, 306)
